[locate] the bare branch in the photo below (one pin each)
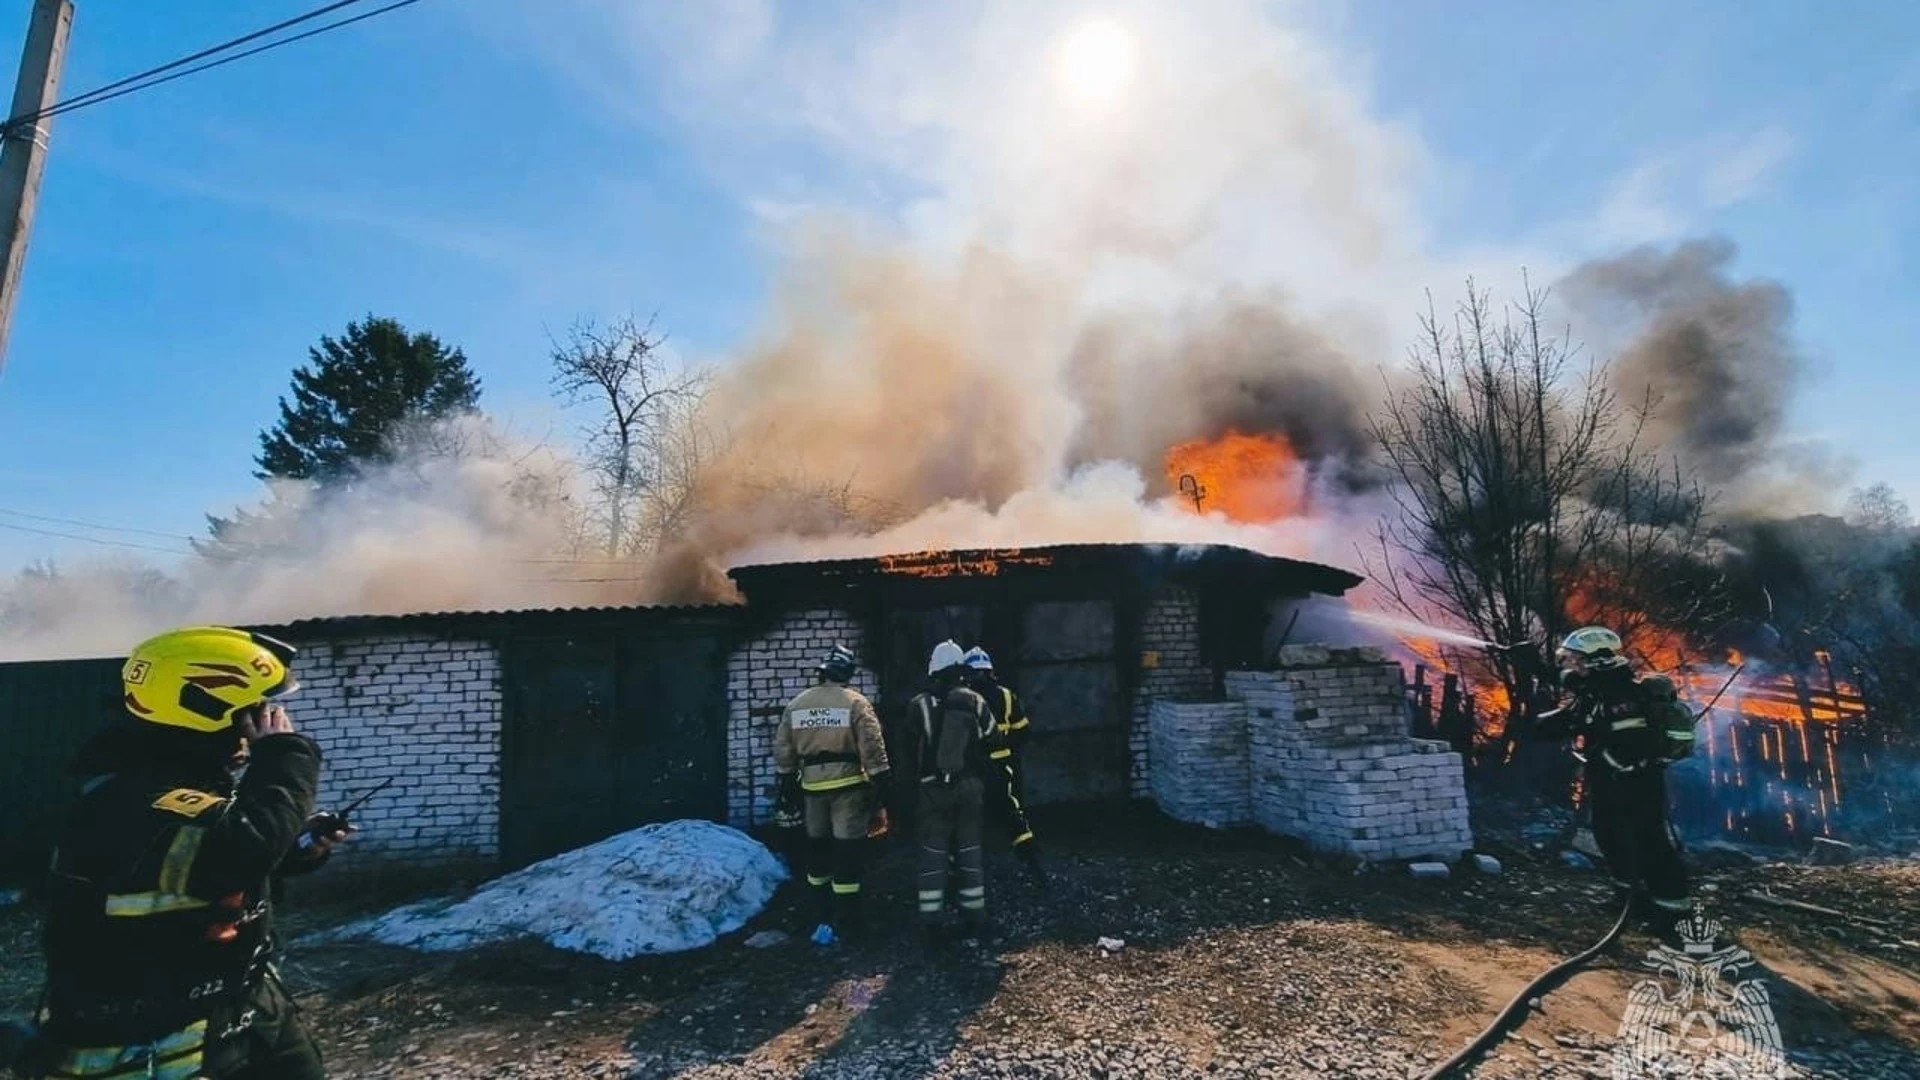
(1526, 501)
(645, 443)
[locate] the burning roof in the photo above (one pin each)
(1189, 564)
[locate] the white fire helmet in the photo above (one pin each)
(1594, 648)
(947, 654)
(978, 660)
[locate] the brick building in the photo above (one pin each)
(508, 736)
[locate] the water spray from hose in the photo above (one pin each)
(1414, 628)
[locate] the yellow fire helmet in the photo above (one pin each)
(199, 677)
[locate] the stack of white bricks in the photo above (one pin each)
(763, 675)
(1332, 763)
(1200, 762)
(422, 712)
(1171, 667)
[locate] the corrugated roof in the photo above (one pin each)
(1214, 563)
(1198, 561)
(336, 624)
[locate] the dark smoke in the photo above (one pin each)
(1245, 365)
(1717, 355)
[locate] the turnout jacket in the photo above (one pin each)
(1010, 720)
(832, 736)
(159, 923)
(1613, 712)
(926, 733)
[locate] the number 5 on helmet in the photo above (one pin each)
(202, 678)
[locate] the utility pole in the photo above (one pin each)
(24, 156)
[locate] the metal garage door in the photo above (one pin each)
(1059, 655)
(1064, 668)
(606, 732)
(47, 712)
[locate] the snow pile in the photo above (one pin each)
(657, 889)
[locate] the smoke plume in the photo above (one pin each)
(464, 517)
(1048, 293)
(1715, 356)
(1243, 365)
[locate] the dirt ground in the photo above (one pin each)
(1242, 957)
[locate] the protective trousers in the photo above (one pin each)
(1630, 825)
(837, 823)
(272, 1046)
(951, 817)
(1010, 799)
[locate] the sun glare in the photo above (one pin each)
(1096, 60)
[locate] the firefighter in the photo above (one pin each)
(1006, 779)
(829, 746)
(1627, 731)
(946, 735)
(159, 939)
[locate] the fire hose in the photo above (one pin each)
(1515, 1011)
(1510, 1017)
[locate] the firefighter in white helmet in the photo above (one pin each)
(946, 738)
(1005, 775)
(829, 746)
(1631, 728)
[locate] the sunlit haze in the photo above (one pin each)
(1097, 61)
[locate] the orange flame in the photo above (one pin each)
(1771, 734)
(940, 564)
(1249, 478)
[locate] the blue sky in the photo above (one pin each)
(490, 177)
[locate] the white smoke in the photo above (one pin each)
(464, 518)
(1002, 301)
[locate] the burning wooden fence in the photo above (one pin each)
(1781, 758)
(1451, 716)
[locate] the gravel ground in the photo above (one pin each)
(1242, 957)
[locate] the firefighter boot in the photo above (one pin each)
(847, 923)
(820, 901)
(1029, 854)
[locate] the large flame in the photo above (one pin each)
(1773, 742)
(1248, 478)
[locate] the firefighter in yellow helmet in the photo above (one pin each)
(159, 940)
(830, 748)
(1629, 732)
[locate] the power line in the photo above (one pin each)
(225, 60)
(92, 539)
(578, 580)
(146, 80)
(94, 526)
(200, 546)
(81, 99)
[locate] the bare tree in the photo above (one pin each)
(1526, 500)
(1879, 509)
(645, 446)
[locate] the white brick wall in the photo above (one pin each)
(1171, 667)
(763, 674)
(1199, 759)
(1331, 761)
(422, 711)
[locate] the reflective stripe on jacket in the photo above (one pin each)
(159, 917)
(1011, 722)
(831, 736)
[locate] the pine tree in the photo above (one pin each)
(352, 393)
